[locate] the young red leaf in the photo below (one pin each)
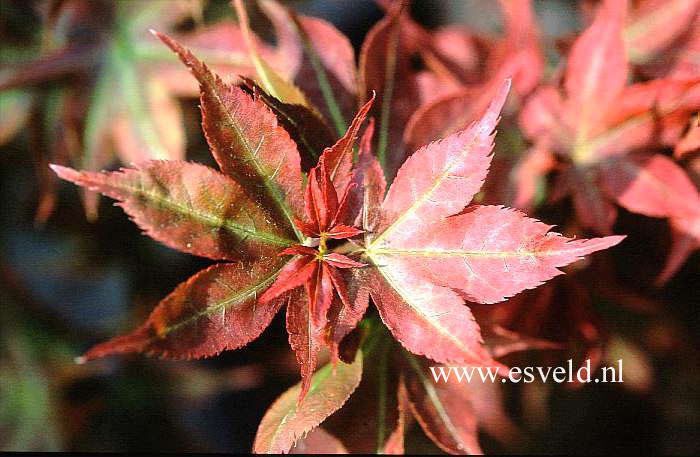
(368, 185)
(339, 157)
(247, 141)
(288, 420)
(305, 338)
(213, 311)
(293, 274)
(348, 308)
(189, 207)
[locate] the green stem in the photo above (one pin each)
(387, 92)
(323, 82)
(382, 376)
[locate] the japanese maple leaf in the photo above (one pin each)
(430, 253)
(250, 213)
(602, 130)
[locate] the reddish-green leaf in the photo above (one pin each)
(307, 129)
(189, 207)
(427, 259)
(287, 420)
(441, 178)
(213, 311)
(487, 253)
(247, 141)
(426, 319)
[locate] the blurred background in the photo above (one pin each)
(67, 283)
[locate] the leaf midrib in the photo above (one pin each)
(460, 253)
(235, 299)
(207, 219)
(443, 331)
(426, 196)
(269, 184)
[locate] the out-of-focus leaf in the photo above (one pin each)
(318, 441)
(690, 141)
(654, 24)
(15, 106)
(651, 185)
(685, 238)
(269, 79)
(442, 409)
(327, 74)
(385, 70)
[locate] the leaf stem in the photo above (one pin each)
(387, 93)
(323, 83)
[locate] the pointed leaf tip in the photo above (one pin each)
(494, 111)
(66, 173)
